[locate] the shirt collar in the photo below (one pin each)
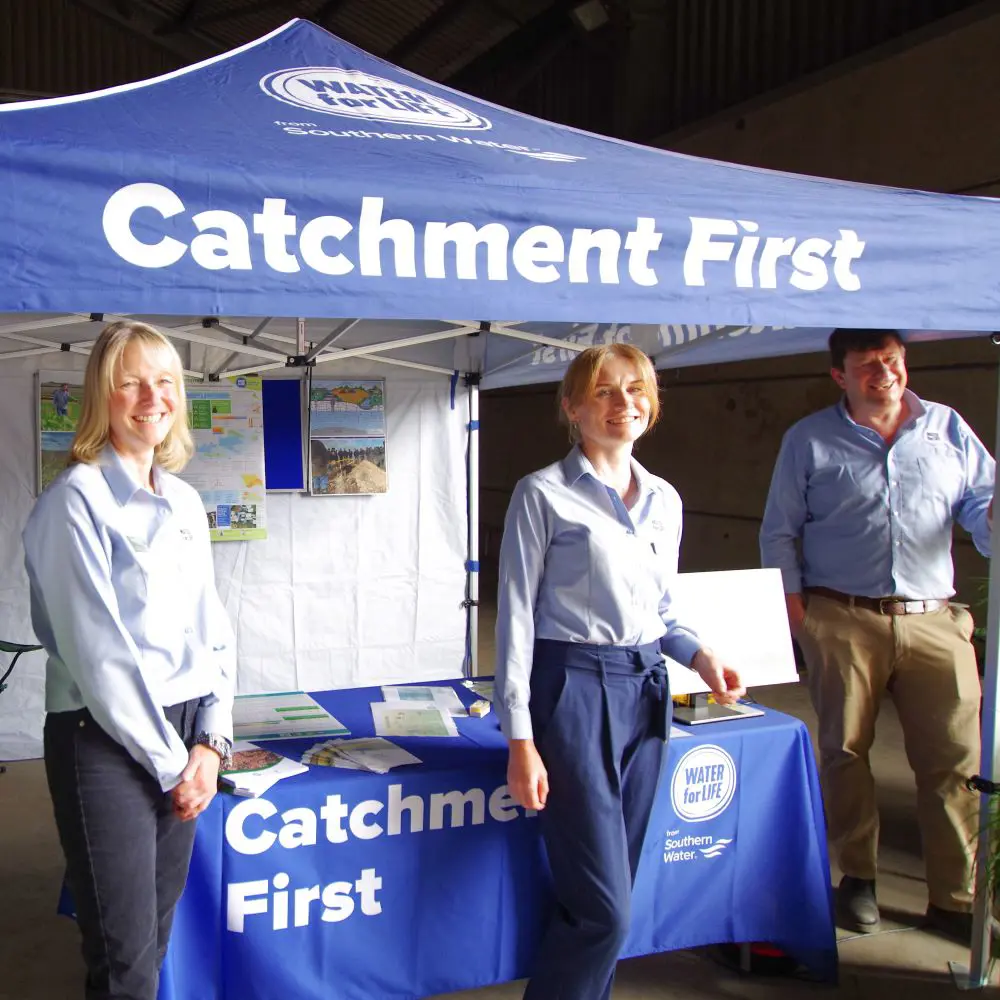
(119, 479)
(576, 465)
(913, 401)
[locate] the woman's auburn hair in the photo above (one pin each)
(93, 430)
(580, 379)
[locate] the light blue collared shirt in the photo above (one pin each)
(875, 519)
(123, 598)
(577, 566)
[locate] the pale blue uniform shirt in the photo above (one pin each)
(578, 566)
(123, 599)
(848, 511)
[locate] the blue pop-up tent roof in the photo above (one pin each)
(300, 176)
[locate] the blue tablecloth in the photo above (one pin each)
(344, 885)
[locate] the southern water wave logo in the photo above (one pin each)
(703, 784)
(678, 847)
(715, 849)
(353, 94)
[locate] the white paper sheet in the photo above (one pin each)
(396, 719)
(418, 694)
(741, 615)
(285, 715)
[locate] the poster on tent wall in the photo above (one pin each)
(347, 437)
(227, 468)
(59, 405)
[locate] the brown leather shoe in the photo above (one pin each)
(857, 909)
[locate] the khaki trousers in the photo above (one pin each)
(929, 666)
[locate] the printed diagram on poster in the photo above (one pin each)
(58, 412)
(227, 468)
(347, 437)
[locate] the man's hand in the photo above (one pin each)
(527, 779)
(723, 681)
(796, 606)
(198, 784)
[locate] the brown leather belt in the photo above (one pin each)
(881, 605)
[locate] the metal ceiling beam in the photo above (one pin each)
(326, 11)
(142, 18)
(244, 10)
(448, 11)
(519, 47)
(183, 20)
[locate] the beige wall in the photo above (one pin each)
(923, 117)
(920, 117)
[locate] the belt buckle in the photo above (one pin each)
(885, 602)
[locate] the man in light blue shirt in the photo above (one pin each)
(859, 520)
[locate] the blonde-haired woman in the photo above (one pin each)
(139, 683)
(589, 551)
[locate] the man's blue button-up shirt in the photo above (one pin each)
(578, 566)
(123, 598)
(848, 511)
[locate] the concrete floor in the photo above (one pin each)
(39, 957)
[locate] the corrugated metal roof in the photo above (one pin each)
(55, 47)
(656, 66)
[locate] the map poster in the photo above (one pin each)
(227, 468)
(58, 411)
(347, 437)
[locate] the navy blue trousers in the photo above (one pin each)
(601, 717)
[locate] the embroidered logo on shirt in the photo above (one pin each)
(186, 534)
(933, 436)
(656, 525)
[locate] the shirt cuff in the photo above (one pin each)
(215, 718)
(791, 580)
(680, 646)
(515, 724)
(171, 778)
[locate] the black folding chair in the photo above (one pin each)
(17, 648)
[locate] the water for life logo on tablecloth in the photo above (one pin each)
(703, 784)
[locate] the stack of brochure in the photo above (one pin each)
(366, 754)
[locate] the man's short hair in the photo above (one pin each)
(844, 339)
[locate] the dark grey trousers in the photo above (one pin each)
(127, 855)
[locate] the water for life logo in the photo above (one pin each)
(353, 94)
(703, 784)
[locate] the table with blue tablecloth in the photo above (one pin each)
(348, 885)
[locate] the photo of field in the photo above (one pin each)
(344, 466)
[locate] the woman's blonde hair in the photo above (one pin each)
(93, 430)
(581, 377)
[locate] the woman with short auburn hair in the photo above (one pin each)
(589, 553)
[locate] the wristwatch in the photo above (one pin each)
(222, 746)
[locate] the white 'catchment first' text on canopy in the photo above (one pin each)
(719, 252)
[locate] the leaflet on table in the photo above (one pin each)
(444, 697)
(366, 754)
(254, 770)
(285, 715)
(483, 689)
(397, 719)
